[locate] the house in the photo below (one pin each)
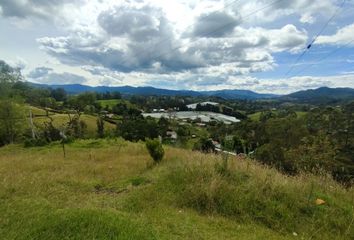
(110, 115)
(161, 110)
(217, 145)
(201, 124)
(171, 135)
(107, 114)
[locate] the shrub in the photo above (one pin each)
(205, 145)
(100, 127)
(155, 149)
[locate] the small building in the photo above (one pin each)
(217, 145)
(171, 135)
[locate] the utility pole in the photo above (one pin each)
(31, 124)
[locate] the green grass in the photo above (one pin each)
(37, 111)
(112, 102)
(255, 116)
(301, 114)
(110, 189)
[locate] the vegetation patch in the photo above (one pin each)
(284, 207)
(73, 224)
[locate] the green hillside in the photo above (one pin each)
(113, 102)
(62, 119)
(110, 189)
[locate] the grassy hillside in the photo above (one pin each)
(62, 119)
(113, 102)
(110, 189)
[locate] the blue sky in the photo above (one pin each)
(181, 44)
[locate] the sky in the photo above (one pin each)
(256, 45)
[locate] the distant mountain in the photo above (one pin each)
(323, 94)
(237, 94)
(128, 90)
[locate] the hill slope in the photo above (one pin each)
(62, 119)
(323, 94)
(109, 189)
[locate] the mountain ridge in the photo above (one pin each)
(129, 90)
(322, 94)
(308, 95)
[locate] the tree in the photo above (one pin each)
(8, 73)
(59, 94)
(80, 102)
(137, 128)
(8, 77)
(164, 125)
(265, 116)
(11, 121)
(100, 127)
(11, 112)
(155, 149)
(238, 145)
(76, 127)
(205, 145)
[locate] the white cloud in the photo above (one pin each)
(343, 35)
(270, 11)
(307, 18)
(43, 9)
(46, 75)
(173, 43)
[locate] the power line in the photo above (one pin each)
(308, 47)
(323, 58)
(220, 28)
(327, 23)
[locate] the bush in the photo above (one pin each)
(205, 145)
(155, 149)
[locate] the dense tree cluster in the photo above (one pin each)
(323, 140)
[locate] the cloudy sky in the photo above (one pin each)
(181, 44)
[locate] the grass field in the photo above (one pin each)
(110, 189)
(112, 102)
(62, 119)
(37, 111)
